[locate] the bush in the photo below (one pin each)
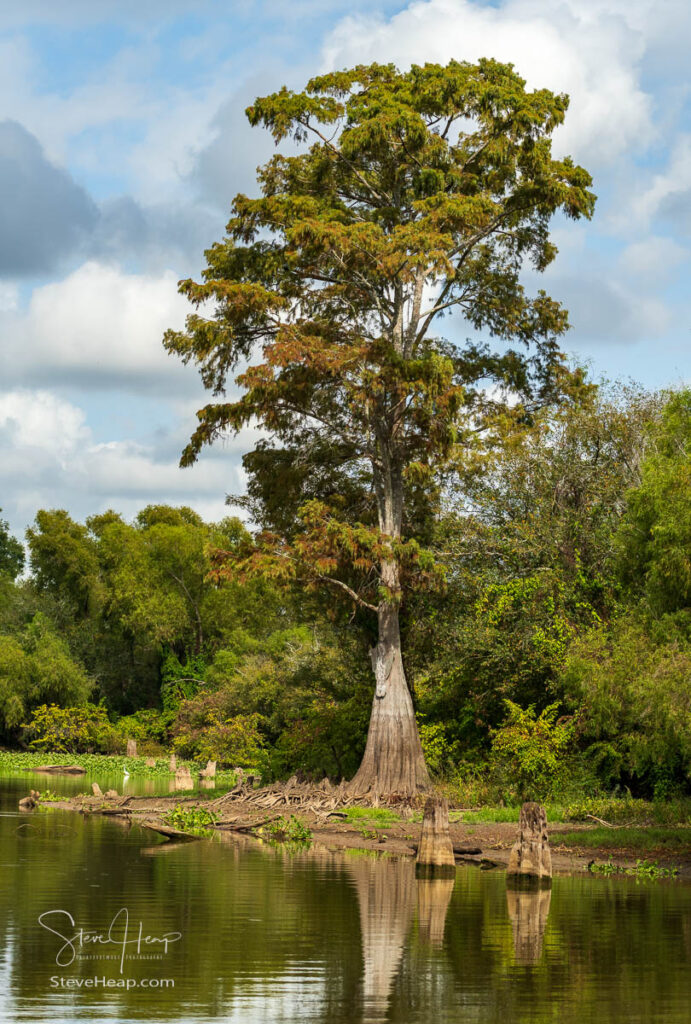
(80, 730)
(528, 750)
(632, 691)
(204, 732)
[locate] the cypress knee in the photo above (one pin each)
(435, 857)
(530, 863)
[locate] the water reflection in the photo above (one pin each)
(528, 912)
(386, 900)
(433, 898)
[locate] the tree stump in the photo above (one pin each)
(173, 763)
(30, 802)
(530, 862)
(96, 789)
(209, 772)
(131, 748)
(150, 762)
(435, 857)
(183, 779)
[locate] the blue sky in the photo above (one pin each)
(123, 141)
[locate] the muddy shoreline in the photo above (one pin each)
(484, 844)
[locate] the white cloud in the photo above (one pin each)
(669, 191)
(40, 423)
(99, 327)
(589, 50)
(53, 461)
(9, 297)
(653, 259)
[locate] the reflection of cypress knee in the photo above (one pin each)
(528, 912)
(433, 898)
(530, 863)
(435, 853)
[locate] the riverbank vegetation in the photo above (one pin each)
(555, 662)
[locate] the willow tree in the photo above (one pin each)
(409, 196)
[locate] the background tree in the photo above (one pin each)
(11, 552)
(422, 192)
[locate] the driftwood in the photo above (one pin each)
(174, 834)
(530, 862)
(60, 769)
(435, 856)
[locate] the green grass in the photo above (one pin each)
(371, 815)
(675, 840)
(616, 811)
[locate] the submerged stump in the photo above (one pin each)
(530, 862)
(435, 857)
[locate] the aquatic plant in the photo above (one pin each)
(287, 830)
(196, 821)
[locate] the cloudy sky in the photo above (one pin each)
(123, 141)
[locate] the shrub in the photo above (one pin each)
(529, 750)
(80, 730)
(204, 732)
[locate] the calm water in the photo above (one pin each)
(272, 936)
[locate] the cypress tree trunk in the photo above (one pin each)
(393, 762)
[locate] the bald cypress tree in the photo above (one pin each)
(412, 195)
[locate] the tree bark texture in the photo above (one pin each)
(393, 762)
(530, 862)
(435, 857)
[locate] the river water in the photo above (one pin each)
(99, 922)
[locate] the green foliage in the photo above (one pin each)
(205, 732)
(655, 537)
(11, 553)
(196, 821)
(643, 870)
(79, 730)
(287, 830)
(48, 796)
(528, 749)
(35, 667)
(632, 692)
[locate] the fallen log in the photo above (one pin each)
(174, 834)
